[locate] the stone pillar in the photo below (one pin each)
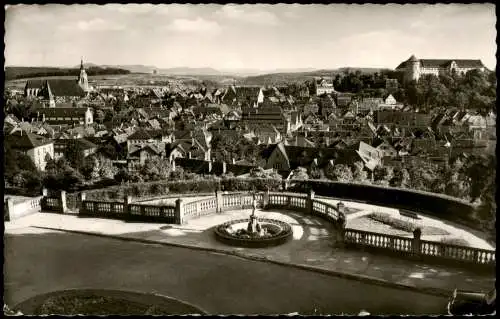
(83, 196)
(220, 201)
(224, 168)
(415, 245)
(310, 200)
(9, 208)
(126, 202)
(341, 209)
(341, 230)
(62, 198)
(179, 211)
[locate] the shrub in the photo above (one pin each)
(393, 222)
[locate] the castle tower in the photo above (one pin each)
(83, 81)
(413, 68)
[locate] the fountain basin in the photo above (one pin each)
(274, 232)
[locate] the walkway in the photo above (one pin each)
(45, 261)
(313, 245)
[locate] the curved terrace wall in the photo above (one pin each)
(438, 205)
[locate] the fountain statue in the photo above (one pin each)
(257, 233)
(254, 227)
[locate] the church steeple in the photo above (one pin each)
(82, 79)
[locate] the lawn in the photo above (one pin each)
(406, 226)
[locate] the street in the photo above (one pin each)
(37, 263)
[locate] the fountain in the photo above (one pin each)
(259, 232)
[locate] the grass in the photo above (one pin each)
(96, 305)
(406, 226)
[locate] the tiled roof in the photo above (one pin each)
(443, 63)
(25, 141)
(149, 148)
(58, 87)
(63, 111)
(182, 135)
(146, 134)
(83, 143)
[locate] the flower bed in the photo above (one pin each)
(406, 226)
(103, 302)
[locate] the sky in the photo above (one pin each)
(263, 37)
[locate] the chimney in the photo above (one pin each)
(224, 168)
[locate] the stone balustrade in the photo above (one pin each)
(402, 246)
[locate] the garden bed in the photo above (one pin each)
(102, 303)
(406, 226)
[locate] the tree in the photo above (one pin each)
(342, 173)
(155, 169)
(75, 154)
(99, 116)
(382, 175)
(359, 173)
(401, 178)
(300, 173)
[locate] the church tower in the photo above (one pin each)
(47, 96)
(83, 82)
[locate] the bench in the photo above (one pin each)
(409, 214)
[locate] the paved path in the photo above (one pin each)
(314, 245)
(38, 262)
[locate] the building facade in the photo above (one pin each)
(415, 68)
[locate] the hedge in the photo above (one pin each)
(161, 188)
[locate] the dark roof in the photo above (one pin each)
(443, 63)
(247, 92)
(25, 141)
(303, 155)
(58, 87)
(182, 135)
(62, 111)
(193, 165)
(142, 134)
(83, 143)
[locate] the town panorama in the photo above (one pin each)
(354, 140)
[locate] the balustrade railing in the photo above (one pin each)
(455, 252)
(135, 211)
(377, 240)
(299, 202)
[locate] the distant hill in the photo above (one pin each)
(287, 77)
(22, 72)
(189, 71)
